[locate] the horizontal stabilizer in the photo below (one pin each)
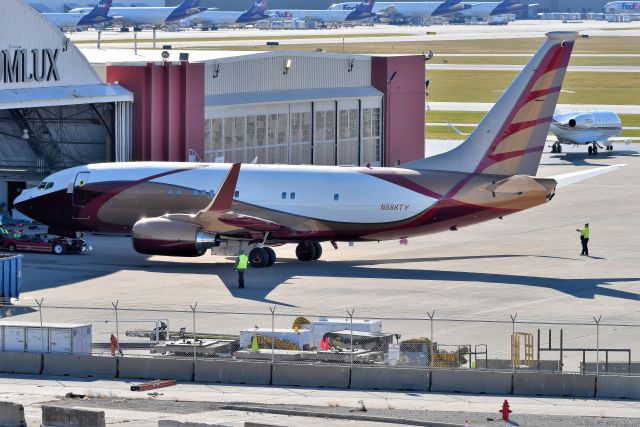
(516, 184)
(573, 177)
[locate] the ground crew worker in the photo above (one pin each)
(584, 239)
(242, 262)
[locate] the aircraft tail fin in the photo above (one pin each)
(511, 137)
(510, 6)
(448, 7)
(363, 11)
(184, 10)
(256, 11)
(99, 14)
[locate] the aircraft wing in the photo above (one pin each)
(218, 216)
(573, 177)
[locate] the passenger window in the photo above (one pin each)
(237, 194)
(284, 195)
(178, 192)
(170, 192)
(292, 196)
(336, 197)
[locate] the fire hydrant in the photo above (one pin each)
(505, 411)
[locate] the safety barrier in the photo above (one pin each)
(618, 387)
(311, 375)
(324, 375)
(539, 384)
(20, 363)
(151, 368)
(173, 423)
(12, 414)
(61, 416)
(80, 365)
(376, 378)
(470, 381)
(233, 372)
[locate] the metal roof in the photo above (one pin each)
(278, 96)
(63, 95)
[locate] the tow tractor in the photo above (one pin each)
(44, 244)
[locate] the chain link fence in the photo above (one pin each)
(351, 336)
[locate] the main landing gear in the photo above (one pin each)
(266, 257)
(593, 149)
(309, 251)
(556, 148)
(262, 257)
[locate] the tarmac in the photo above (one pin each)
(111, 394)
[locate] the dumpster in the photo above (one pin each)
(10, 277)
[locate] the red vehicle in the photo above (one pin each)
(46, 244)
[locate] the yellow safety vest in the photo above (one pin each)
(243, 261)
(585, 232)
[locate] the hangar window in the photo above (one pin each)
(371, 137)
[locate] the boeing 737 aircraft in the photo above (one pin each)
(96, 16)
(629, 7)
(409, 10)
(215, 18)
(485, 10)
(169, 209)
(362, 11)
(586, 128)
(154, 16)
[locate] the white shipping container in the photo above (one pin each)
(14, 338)
(299, 337)
(327, 324)
(58, 337)
(35, 337)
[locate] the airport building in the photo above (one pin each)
(276, 107)
(55, 111)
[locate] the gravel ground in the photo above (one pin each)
(475, 419)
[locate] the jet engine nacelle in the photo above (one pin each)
(164, 236)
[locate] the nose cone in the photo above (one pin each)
(21, 202)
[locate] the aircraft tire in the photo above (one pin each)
(318, 248)
(595, 150)
(11, 247)
(590, 149)
(559, 150)
(305, 251)
(272, 256)
(258, 258)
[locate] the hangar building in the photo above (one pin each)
(279, 107)
(55, 111)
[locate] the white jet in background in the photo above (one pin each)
(628, 7)
(590, 128)
(216, 18)
(97, 16)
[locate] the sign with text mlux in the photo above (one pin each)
(28, 65)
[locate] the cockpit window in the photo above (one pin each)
(45, 185)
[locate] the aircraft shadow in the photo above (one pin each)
(584, 159)
(260, 283)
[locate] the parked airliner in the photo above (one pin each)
(99, 15)
(152, 16)
(485, 10)
(628, 7)
(409, 10)
(216, 18)
(590, 128)
(172, 208)
(361, 11)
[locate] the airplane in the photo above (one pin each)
(362, 11)
(169, 208)
(155, 16)
(585, 128)
(214, 18)
(96, 16)
(409, 10)
(628, 7)
(485, 10)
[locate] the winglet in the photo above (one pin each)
(224, 196)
